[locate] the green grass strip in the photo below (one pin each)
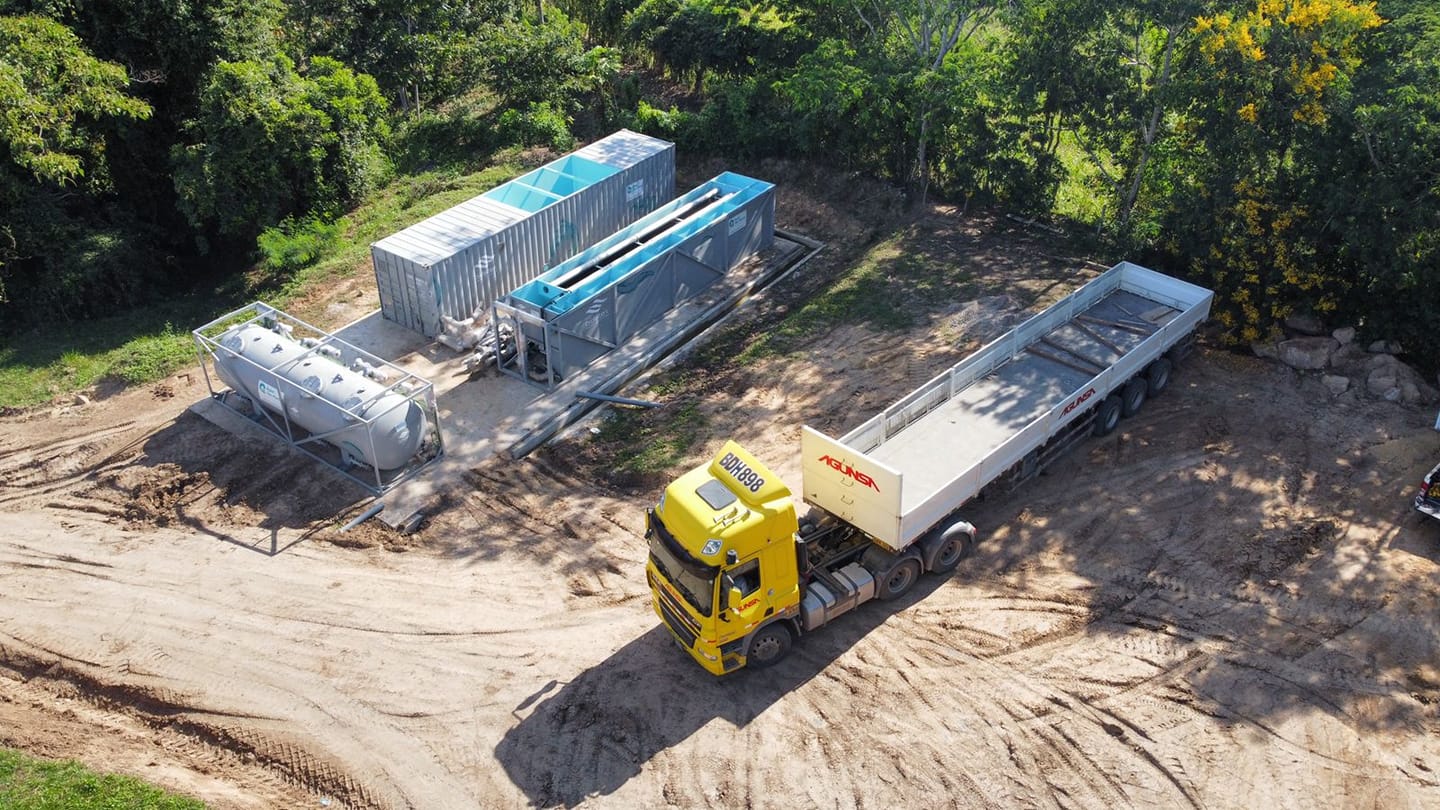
(27, 783)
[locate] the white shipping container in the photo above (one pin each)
(465, 258)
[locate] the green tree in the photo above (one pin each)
(604, 19)
(1271, 87)
(530, 62)
(695, 37)
(1103, 74)
(52, 93)
(270, 143)
(1382, 193)
(420, 52)
(55, 102)
(920, 35)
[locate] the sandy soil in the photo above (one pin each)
(1228, 603)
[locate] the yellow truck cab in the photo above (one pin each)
(723, 568)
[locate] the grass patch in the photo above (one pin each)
(887, 289)
(134, 347)
(649, 443)
(37, 784)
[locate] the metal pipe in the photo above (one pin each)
(568, 281)
(364, 516)
(642, 403)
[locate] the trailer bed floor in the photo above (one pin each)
(976, 421)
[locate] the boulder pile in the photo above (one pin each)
(1346, 366)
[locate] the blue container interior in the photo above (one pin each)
(550, 183)
(544, 293)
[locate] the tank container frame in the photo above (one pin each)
(392, 382)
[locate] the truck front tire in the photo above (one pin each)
(769, 644)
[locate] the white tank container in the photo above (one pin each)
(324, 396)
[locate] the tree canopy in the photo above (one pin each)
(1286, 152)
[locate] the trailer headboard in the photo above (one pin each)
(851, 485)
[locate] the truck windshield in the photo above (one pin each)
(692, 578)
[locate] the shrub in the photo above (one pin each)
(296, 244)
(539, 124)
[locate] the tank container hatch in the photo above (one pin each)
(463, 259)
(371, 420)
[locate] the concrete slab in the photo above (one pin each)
(491, 413)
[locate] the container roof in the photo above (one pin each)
(453, 230)
(574, 281)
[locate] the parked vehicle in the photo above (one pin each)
(737, 577)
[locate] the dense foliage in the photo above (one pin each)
(1285, 151)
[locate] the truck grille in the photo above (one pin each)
(675, 619)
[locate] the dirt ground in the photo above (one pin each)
(1227, 603)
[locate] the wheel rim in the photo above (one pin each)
(1112, 419)
(766, 647)
(900, 579)
(950, 553)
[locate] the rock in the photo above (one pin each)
(1410, 393)
(1379, 361)
(1381, 383)
(1271, 350)
(1348, 354)
(1393, 395)
(1337, 385)
(1305, 324)
(1385, 346)
(1345, 335)
(81, 399)
(1309, 353)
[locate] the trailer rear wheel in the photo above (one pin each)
(1133, 396)
(1157, 377)
(769, 645)
(1107, 417)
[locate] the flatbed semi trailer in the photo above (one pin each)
(737, 576)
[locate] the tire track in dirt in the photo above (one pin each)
(146, 735)
(206, 694)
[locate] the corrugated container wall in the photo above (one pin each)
(465, 258)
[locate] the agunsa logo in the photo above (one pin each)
(850, 472)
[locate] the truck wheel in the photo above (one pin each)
(769, 645)
(1133, 396)
(899, 579)
(955, 545)
(1107, 418)
(1157, 377)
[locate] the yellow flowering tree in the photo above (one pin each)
(1269, 83)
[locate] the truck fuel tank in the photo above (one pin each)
(832, 595)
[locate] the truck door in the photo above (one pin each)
(744, 591)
